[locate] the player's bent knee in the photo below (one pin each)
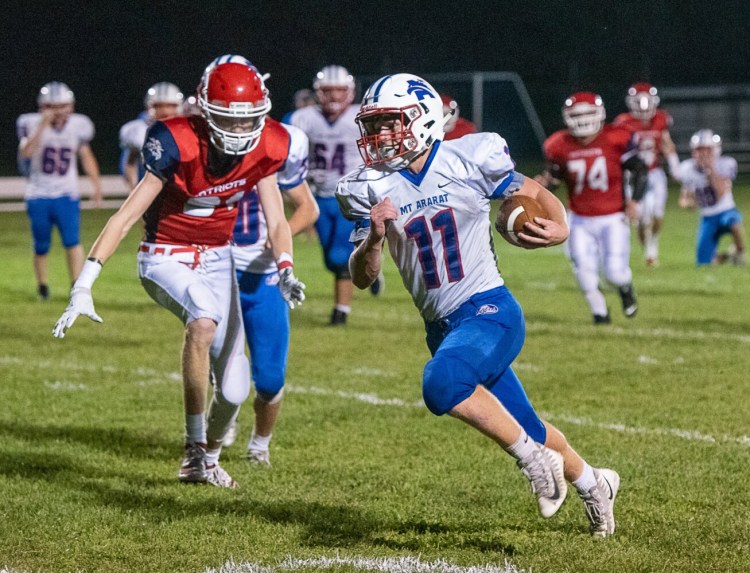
(41, 249)
(270, 397)
(342, 273)
(235, 381)
(200, 332)
(446, 382)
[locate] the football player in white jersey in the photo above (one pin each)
(265, 313)
(333, 153)
(707, 183)
(431, 199)
(163, 100)
(51, 141)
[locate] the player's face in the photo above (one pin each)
(334, 99)
(703, 156)
(389, 131)
(165, 110)
(237, 124)
(60, 112)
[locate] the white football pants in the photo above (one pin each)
(202, 284)
(600, 243)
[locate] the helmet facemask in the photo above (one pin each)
(387, 138)
(235, 126)
(642, 103)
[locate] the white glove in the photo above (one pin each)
(292, 289)
(81, 302)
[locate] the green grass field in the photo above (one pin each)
(363, 476)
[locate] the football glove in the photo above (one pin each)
(81, 303)
(292, 289)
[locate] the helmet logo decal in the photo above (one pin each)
(419, 89)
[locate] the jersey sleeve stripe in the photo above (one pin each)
(505, 185)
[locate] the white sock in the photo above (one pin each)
(652, 247)
(597, 302)
(258, 442)
(212, 456)
(523, 448)
(345, 308)
(587, 480)
(195, 428)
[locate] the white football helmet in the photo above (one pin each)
(401, 116)
(55, 93)
(706, 138)
(163, 93)
(642, 101)
(584, 114)
(234, 101)
(334, 88)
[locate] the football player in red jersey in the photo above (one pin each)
(655, 144)
(197, 169)
(591, 157)
(457, 126)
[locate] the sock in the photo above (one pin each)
(596, 301)
(212, 457)
(258, 442)
(587, 480)
(523, 449)
(195, 428)
(345, 308)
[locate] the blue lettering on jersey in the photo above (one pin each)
(429, 201)
(160, 152)
(419, 88)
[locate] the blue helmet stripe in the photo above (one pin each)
(378, 88)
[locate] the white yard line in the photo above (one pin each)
(155, 377)
(661, 333)
(384, 564)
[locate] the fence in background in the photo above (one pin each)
(723, 108)
(494, 101)
(114, 190)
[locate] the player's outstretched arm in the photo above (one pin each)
(280, 235)
(91, 168)
(81, 301)
(544, 232)
(306, 210)
(365, 261)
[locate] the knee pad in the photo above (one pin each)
(269, 397)
(42, 248)
(342, 273)
(338, 257)
(619, 273)
(446, 382)
(234, 387)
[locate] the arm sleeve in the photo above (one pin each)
(497, 168)
(354, 204)
(727, 167)
(86, 130)
(294, 170)
(160, 152)
(639, 175)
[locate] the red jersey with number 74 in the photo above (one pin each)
(593, 172)
(196, 207)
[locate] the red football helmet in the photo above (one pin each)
(584, 114)
(642, 100)
(234, 100)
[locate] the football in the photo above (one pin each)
(513, 213)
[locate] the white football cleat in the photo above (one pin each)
(545, 473)
(259, 457)
(599, 502)
(217, 476)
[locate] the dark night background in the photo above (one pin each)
(111, 52)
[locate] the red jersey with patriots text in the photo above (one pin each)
(649, 135)
(196, 206)
(592, 172)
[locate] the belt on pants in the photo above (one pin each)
(167, 250)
